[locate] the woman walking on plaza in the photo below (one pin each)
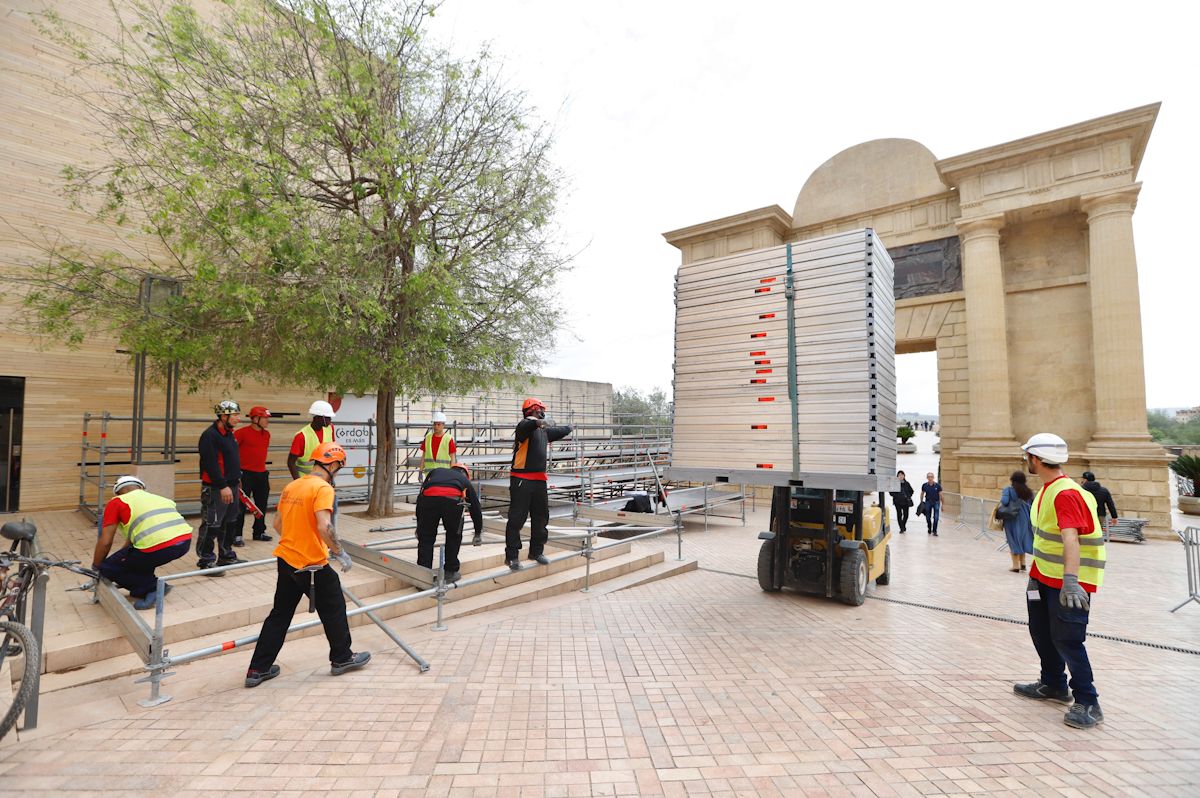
(1018, 528)
(902, 500)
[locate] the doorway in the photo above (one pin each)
(12, 410)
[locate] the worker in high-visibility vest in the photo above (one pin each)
(1068, 567)
(438, 450)
(311, 435)
(154, 532)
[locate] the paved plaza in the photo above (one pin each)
(699, 684)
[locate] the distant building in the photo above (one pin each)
(1190, 414)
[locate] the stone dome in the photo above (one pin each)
(865, 177)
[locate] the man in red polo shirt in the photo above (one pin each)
(253, 442)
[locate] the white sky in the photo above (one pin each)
(673, 113)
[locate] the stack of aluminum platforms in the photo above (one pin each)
(785, 366)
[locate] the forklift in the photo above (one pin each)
(825, 542)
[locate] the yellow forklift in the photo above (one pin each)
(825, 542)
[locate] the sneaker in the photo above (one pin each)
(514, 565)
(255, 678)
(1043, 692)
(1084, 716)
(453, 576)
(145, 602)
(204, 566)
(263, 537)
(540, 559)
(231, 560)
(355, 662)
(238, 541)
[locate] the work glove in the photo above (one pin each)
(343, 559)
(1072, 596)
(477, 540)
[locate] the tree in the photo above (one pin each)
(634, 413)
(353, 207)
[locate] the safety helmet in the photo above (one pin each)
(531, 404)
(125, 482)
(1047, 447)
(463, 468)
(226, 407)
(439, 416)
(258, 411)
(319, 408)
(329, 453)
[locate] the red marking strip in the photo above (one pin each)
(766, 290)
(763, 371)
(766, 398)
(757, 354)
(767, 280)
(758, 426)
(766, 316)
(764, 465)
(762, 362)
(758, 335)
(758, 382)
(228, 645)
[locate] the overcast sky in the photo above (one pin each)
(669, 114)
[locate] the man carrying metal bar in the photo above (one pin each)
(304, 522)
(527, 495)
(155, 534)
(442, 499)
(221, 473)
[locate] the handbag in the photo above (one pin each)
(996, 521)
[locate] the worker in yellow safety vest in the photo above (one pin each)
(438, 450)
(310, 436)
(155, 534)
(1068, 569)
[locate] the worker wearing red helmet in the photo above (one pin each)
(527, 497)
(253, 442)
(445, 495)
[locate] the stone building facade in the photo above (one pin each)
(1016, 263)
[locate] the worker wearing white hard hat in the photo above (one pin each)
(438, 449)
(309, 437)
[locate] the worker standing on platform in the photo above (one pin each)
(442, 498)
(307, 540)
(527, 495)
(221, 473)
(1068, 567)
(438, 450)
(155, 534)
(253, 443)
(305, 442)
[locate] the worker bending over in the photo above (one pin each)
(527, 496)
(445, 496)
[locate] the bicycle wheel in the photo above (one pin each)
(13, 636)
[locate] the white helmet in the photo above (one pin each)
(439, 416)
(319, 408)
(1047, 447)
(125, 482)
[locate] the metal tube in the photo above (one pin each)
(587, 568)
(218, 570)
(37, 623)
(679, 536)
(83, 448)
(440, 626)
(387, 630)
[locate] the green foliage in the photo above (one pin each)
(1167, 430)
(1188, 467)
(637, 413)
(905, 433)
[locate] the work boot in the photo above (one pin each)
(355, 662)
(1084, 716)
(263, 536)
(230, 559)
(145, 602)
(540, 559)
(255, 678)
(1043, 692)
(453, 576)
(477, 540)
(239, 541)
(205, 566)
(514, 565)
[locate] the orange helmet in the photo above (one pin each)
(463, 468)
(329, 453)
(532, 404)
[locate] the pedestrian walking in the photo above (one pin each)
(253, 442)
(902, 501)
(1015, 503)
(220, 475)
(154, 532)
(438, 450)
(1104, 500)
(1067, 570)
(931, 503)
(307, 540)
(527, 495)
(446, 495)
(309, 437)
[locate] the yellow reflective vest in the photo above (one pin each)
(442, 457)
(152, 520)
(311, 442)
(1048, 542)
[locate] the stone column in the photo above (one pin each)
(1119, 379)
(987, 336)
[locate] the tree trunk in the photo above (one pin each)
(383, 482)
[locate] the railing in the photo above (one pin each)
(972, 513)
(1190, 538)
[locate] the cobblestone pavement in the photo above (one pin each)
(696, 685)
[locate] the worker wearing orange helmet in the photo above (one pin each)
(527, 495)
(307, 541)
(253, 442)
(445, 495)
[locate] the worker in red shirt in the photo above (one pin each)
(253, 442)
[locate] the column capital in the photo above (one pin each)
(1121, 200)
(980, 227)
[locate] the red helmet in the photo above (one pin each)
(329, 453)
(532, 404)
(463, 468)
(258, 411)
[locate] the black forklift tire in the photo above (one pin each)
(854, 574)
(885, 578)
(766, 567)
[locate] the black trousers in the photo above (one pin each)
(902, 517)
(527, 500)
(430, 510)
(218, 525)
(290, 588)
(257, 485)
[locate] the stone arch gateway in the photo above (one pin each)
(1017, 264)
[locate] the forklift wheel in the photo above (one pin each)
(766, 567)
(885, 578)
(854, 577)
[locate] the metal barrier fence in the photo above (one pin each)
(973, 513)
(1190, 538)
